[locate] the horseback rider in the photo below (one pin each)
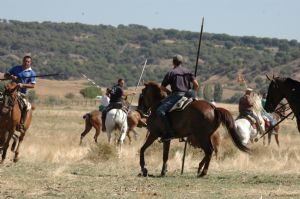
(116, 100)
(24, 76)
(246, 104)
(179, 79)
(105, 100)
(264, 112)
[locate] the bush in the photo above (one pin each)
(32, 96)
(70, 96)
(90, 92)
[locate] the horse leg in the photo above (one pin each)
(166, 146)
(16, 158)
(129, 137)
(97, 135)
(87, 129)
(206, 160)
(6, 145)
(269, 137)
(15, 138)
(150, 139)
(135, 134)
(123, 133)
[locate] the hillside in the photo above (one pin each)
(106, 53)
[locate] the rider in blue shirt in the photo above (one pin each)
(24, 76)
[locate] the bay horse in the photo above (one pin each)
(287, 88)
(93, 119)
(10, 115)
(198, 121)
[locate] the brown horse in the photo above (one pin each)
(198, 121)
(93, 119)
(287, 88)
(10, 116)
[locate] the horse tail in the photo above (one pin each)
(225, 117)
(86, 116)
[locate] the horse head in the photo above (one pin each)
(151, 95)
(9, 97)
(275, 93)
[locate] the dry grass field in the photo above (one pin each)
(53, 165)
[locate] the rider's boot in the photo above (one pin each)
(168, 131)
(103, 117)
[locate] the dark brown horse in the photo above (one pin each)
(93, 119)
(287, 88)
(10, 115)
(198, 121)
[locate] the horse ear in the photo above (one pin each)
(268, 77)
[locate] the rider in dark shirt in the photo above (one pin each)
(179, 79)
(116, 99)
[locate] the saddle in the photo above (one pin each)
(249, 118)
(117, 106)
(181, 104)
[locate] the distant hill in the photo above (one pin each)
(106, 53)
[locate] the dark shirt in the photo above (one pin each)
(116, 94)
(179, 78)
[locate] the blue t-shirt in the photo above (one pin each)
(26, 76)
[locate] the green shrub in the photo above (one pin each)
(90, 92)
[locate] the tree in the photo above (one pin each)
(218, 92)
(207, 92)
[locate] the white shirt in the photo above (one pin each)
(105, 100)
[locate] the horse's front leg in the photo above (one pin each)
(149, 141)
(8, 136)
(16, 158)
(166, 146)
(97, 135)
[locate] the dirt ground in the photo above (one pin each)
(53, 165)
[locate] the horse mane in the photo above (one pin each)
(257, 106)
(293, 82)
(156, 87)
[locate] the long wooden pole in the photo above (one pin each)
(196, 68)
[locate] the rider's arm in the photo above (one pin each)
(26, 85)
(9, 76)
(163, 88)
(195, 85)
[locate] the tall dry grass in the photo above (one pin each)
(54, 138)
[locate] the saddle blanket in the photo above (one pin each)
(181, 104)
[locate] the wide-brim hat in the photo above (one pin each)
(249, 89)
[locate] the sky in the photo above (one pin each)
(260, 18)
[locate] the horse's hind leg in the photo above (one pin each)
(87, 129)
(166, 146)
(205, 161)
(16, 158)
(269, 137)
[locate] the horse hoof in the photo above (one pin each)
(256, 140)
(16, 160)
(201, 175)
(145, 172)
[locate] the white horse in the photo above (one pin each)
(243, 126)
(116, 119)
